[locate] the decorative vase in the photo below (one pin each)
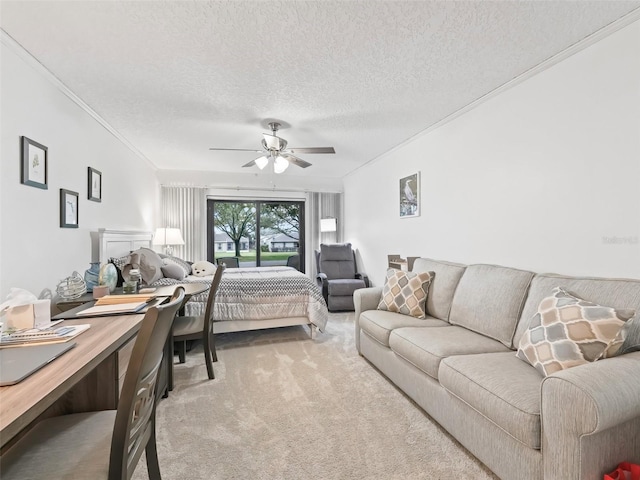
(91, 276)
(108, 276)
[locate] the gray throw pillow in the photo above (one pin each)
(186, 266)
(632, 341)
(172, 270)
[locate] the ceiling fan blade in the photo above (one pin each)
(271, 142)
(296, 161)
(237, 150)
(259, 162)
(313, 150)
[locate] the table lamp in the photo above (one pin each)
(168, 237)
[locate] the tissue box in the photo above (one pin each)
(28, 316)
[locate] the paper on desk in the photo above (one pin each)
(119, 299)
(39, 336)
(114, 308)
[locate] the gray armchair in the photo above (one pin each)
(337, 275)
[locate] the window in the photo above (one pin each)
(259, 233)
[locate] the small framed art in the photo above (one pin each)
(34, 164)
(94, 189)
(410, 196)
(68, 208)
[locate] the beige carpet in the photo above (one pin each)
(284, 406)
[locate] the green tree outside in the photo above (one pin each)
(282, 218)
(236, 219)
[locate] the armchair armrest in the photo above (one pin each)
(362, 276)
(364, 299)
(323, 284)
(591, 418)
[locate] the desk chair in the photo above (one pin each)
(229, 262)
(107, 444)
(199, 327)
(294, 261)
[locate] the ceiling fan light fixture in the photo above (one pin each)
(274, 149)
(280, 164)
(262, 162)
(271, 142)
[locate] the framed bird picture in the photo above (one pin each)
(410, 196)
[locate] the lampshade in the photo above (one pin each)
(280, 164)
(328, 225)
(262, 162)
(168, 236)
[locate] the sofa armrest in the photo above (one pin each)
(364, 299)
(591, 418)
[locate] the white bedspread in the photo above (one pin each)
(260, 293)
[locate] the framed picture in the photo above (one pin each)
(94, 190)
(34, 164)
(410, 196)
(68, 209)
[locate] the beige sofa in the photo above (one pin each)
(459, 364)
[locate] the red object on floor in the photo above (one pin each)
(625, 471)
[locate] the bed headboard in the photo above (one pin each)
(118, 243)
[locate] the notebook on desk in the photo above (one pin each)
(17, 363)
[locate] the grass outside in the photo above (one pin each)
(250, 256)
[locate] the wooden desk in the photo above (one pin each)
(85, 378)
(165, 377)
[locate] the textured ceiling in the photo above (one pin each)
(177, 77)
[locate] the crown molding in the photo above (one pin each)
(595, 37)
(33, 62)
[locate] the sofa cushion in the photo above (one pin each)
(617, 293)
(501, 388)
(345, 286)
(378, 324)
(567, 331)
(443, 285)
(489, 300)
(405, 292)
(426, 347)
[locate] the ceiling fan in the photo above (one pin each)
(275, 148)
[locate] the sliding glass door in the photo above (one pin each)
(255, 233)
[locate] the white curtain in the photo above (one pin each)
(322, 205)
(186, 208)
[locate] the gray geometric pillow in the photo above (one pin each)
(568, 331)
(406, 292)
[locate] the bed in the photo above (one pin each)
(247, 299)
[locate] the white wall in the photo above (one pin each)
(35, 252)
(544, 176)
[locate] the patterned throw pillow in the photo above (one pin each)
(120, 262)
(406, 292)
(569, 331)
